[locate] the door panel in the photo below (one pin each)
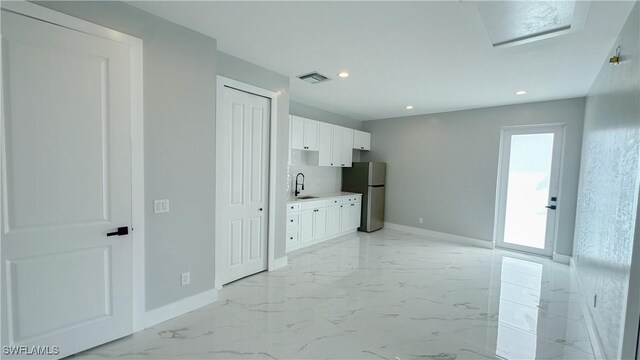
(297, 132)
(346, 158)
(255, 238)
(306, 226)
(310, 134)
(324, 144)
(236, 151)
(336, 145)
(528, 193)
(320, 223)
(235, 242)
(345, 216)
(66, 182)
(333, 220)
(375, 203)
(243, 135)
(257, 147)
(377, 173)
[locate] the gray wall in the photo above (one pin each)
(443, 167)
(179, 113)
(311, 112)
(318, 179)
(608, 195)
(240, 70)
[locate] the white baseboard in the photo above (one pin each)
(594, 338)
(442, 236)
(562, 259)
(179, 307)
(280, 263)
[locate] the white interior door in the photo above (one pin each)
(66, 183)
(528, 192)
(243, 136)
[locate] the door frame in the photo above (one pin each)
(502, 181)
(221, 83)
(137, 136)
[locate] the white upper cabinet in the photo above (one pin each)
(336, 145)
(341, 147)
(361, 140)
(297, 132)
(333, 143)
(304, 133)
(346, 157)
(325, 137)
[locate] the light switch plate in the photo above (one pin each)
(161, 206)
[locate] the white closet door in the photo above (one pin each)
(244, 150)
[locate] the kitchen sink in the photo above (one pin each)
(306, 197)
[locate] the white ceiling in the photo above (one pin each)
(436, 56)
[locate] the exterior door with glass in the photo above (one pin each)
(528, 185)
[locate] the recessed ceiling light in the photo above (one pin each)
(343, 74)
(408, 107)
(521, 92)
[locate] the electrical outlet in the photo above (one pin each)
(185, 278)
(161, 206)
(421, 220)
(595, 300)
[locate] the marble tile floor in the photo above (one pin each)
(384, 295)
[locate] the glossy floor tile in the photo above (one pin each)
(385, 295)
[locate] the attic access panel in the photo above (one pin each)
(518, 22)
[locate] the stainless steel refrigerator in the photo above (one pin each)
(367, 178)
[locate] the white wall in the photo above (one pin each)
(443, 167)
(607, 206)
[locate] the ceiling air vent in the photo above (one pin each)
(313, 78)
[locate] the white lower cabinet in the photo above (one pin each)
(345, 217)
(316, 221)
(292, 240)
(306, 226)
(333, 220)
(320, 223)
(355, 214)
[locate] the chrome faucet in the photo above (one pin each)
(297, 192)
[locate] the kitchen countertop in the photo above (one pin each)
(323, 196)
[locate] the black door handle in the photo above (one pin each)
(552, 207)
(260, 209)
(124, 230)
